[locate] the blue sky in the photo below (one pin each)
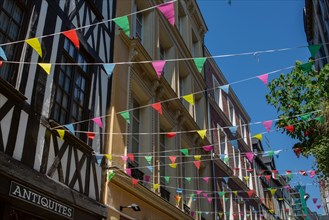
(246, 26)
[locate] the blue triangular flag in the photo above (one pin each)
(70, 128)
(233, 130)
(2, 54)
(99, 159)
(234, 143)
(226, 179)
(179, 190)
(225, 88)
(109, 67)
(222, 156)
(150, 168)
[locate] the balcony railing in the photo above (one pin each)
(164, 193)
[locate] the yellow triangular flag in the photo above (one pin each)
(35, 44)
(189, 98)
(197, 157)
(108, 156)
(155, 186)
(235, 193)
(202, 133)
(258, 136)
(46, 67)
(173, 165)
(61, 133)
(246, 178)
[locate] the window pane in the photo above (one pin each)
(67, 84)
(7, 5)
(13, 31)
(4, 21)
(65, 101)
(59, 96)
(17, 14)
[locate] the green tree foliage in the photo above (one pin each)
(302, 99)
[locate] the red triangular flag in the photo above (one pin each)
(171, 134)
(72, 36)
(0, 63)
(267, 177)
(157, 106)
(131, 157)
(197, 163)
(172, 159)
(315, 200)
(90, 135)
(297, 151)
(134, 181)
(303, 173)
(250, 192)
(290, 128)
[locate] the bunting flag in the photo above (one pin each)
(225, 179)
(73, 37)
(209, 200)
(318, 206)
(314, 200)
(156, 186)
(90, 135)
(305, 117)
(225, 88)
(286, 209)
(2, 54)
(207, 148)
(98, 121)
(312, 173)
(277, 153)
(172, 159)
(61, 133)
(108, 156)
(184, 151)
(168, 10)
(250, 193)
(268, 125)
(246, 178)
(288, 173)
(131, 157)
(148, 159)
(287, 187)
(250, 170)
(271, 211)
(233, 130)
(267, 177)
(179, 190)
(177, 198)
(198, 192)
(150, 168)
(205, 195)
(167, 179)
(173, 165)
(46, 67)
(0, 63)
(123, 23)
(206, 179)
(171, 134)
(306, 67)
(269, 153)
(197, 164)
(110, 175)
(314, 49)
(235, 192)
(302, 172)
(250, 156)
(297, 151)
(157, 106)
(188, 179)
(320, 119)
(128, 171)
(35, 44)
(199, 62)
(221, 193)
(197, 157)
(124, 158)
(99, 159)
(273, 191)
(189, 98)
(202, 133)
(70, 128)
(134, 181)
(158, 67)
(274, 174)
(126, 116)
(109, 68)
(258, 136)
(226, 159)
(263, 78)
(234, 143)
(290, 128)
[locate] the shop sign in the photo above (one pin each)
(31, 196)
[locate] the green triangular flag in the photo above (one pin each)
(184, 151)
(225, 199)
(126, 116)
(314, 49)
(188, 179)
(123, 23)
(110, 175)
(270, 153)
(306, 67)
(221, 193)
(226, 159)
(167, 179)
(148, 159)
(305, 117)
(320, 119)
(199, 62)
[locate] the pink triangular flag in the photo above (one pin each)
(209, 200)
(168, 10)
(72, 36)
(134, 181)
(158, 66)
(250, 156)
(268, 125)
(98, 121)
(318, 206)
(147, 178)
(205, 195)
(207, 148)
(124, 158)
(206, 179)
(197, 164)
(198, 192)
(312, 173)
(263, 78)
(172, 159)
(128, 171)
(314, 200)
(157, 106)
(131, 157)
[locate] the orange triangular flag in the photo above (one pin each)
(134, 181)
(157, 106)
(189, 98)
(72, 36)
(197, 164)
(61, 133)
(90, 135)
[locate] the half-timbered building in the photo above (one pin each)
(47, 172)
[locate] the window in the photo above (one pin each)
(12, 17)
(163, 161)
(243, 129)
(135, 124)
(231, 112)
(195, 45)
(217, 93)
(139, 24)
(227, 202)
(222, 140)
(72, 89)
